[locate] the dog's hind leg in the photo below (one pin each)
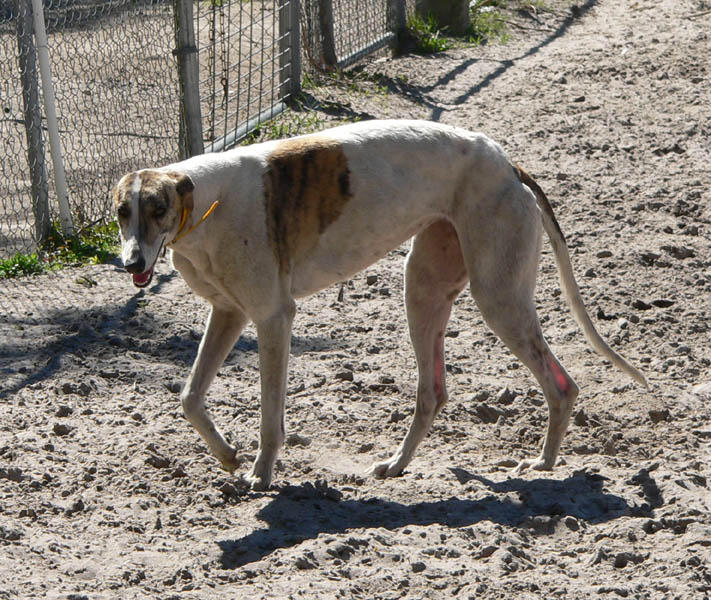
(516, 323)
(434, 277)
(221, 333)
(503, 271)
(274, 335)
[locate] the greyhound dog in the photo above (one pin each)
(256, 227)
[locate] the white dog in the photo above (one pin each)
(254, 228)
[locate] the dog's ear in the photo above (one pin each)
(184, 185)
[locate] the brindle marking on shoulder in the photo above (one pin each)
(306, 186)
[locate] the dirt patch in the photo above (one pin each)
(107, 492)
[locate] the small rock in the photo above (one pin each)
(641, 305)
(63, 411)
(396, 416)
(488, 414)
(486, 551)
(679, 252)
(622, 559)
(344, 375)
(371, 279)
(294, 439)
(328, 492)
(649, 258)
(418, 567)
(663, 303)
(581, 419)
(571, 523)
(367, 447)
(340, 550)
(540, 524)
(61, 429)
(178, 472)
(651, 526)
(505, 396)
(76, 507)
(12, 474)
(9, 534)
(609, 448)
(174, 387)
(158, 461)
(584, 449)
(306, 561)
(659, 415)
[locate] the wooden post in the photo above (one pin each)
(328, 41)
(189, 78)
(452, 15)
(397, 21)
(289, 49)
(27, 57)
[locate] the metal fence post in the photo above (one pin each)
(50, 109)
(289, 49)
(189, 76)
(328, 42)
(27, 57)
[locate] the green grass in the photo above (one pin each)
(487, 24)
(93, 245)
(429, 39)
(19, 265)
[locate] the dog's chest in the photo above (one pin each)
(199, 273)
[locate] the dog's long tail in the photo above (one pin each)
(568, 283)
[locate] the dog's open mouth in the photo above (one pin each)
(141, 280)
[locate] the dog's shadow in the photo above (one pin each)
(302, 512)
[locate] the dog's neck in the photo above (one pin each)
(185, 212)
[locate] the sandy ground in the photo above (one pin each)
(106, 492)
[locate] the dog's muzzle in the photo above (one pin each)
(135, 263)
(141, 276)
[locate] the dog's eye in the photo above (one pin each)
(159, 212)
(123, 211)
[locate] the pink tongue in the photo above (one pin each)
(141, 279)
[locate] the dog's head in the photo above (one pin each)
(148, 206)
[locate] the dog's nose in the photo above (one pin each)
(137, 265)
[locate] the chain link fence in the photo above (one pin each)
(129, 93)
(115, 87)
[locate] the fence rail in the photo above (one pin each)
(146, 82)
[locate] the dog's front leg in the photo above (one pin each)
(274, 336)
(221, 333)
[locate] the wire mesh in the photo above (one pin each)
(115, 78)
(360, 27)
(240, 51)
(117, 103)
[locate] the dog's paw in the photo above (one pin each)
(256, 483)
(260, 476)
(386, 468)
(230, 462)
(534, 464)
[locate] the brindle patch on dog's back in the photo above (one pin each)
(306, 186)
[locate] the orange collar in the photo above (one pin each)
(184, 219)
